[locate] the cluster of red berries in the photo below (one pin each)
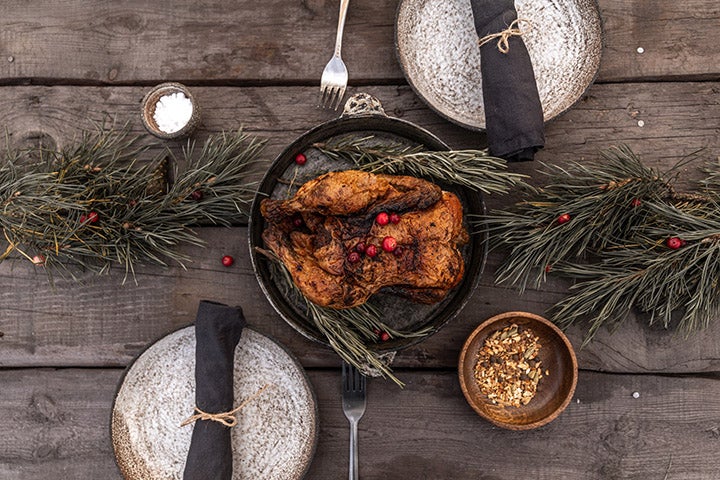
(389, 244)
(91, 217)
(383, 218)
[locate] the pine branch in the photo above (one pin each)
(473, 169)
(653, 278)
(93, 205)
(625, 235)
(603, 201)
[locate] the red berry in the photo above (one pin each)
(298, 222)
(376, 331)
(93, 217)
(300, 159)
(394, 218)
(636, 202)
(389, 244)
(674, 243)
(197, 195)
(39, 260)
(564, 218)
(382, 218)
(360, 247)
(384, 336)
(371, 251)
(227, 260)
(83, 218)
(548, 267)
(398, 252)
(353, 257)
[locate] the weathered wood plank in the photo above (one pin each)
(678, 118)
(102, 323)
(289, 42)
(55, 422)
(664, 31)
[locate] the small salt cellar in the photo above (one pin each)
(169, 111)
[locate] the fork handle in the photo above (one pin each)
(353, 451)
(341, 26)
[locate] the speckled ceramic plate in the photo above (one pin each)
(275, 436)
(437, 47)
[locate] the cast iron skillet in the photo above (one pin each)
(397, 312)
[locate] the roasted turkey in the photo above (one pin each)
(316, 234)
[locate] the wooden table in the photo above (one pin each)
(63, 348)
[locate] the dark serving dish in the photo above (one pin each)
(397, 312)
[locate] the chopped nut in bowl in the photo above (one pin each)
(518, 370)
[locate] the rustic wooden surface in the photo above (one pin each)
(425, 431)
(65, 65)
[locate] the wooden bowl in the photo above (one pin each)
(554, 391)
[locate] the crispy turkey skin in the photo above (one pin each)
(314, 232)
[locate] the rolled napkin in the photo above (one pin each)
(218, 329)
(513, 112)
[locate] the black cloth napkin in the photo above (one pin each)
(218, 329)
(513, 112)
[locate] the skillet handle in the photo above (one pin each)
(363, 104)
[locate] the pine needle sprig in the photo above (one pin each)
(656, 280)
(215, 170)
(711, 182)
(94, 205)
(472, 169)
(602, 201)
(627, 238)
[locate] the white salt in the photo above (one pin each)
(173, 112)
(636, 394)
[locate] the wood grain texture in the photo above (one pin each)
(289, 42)
(678, 118)
(101, 322)
(59, 427)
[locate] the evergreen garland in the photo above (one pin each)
(92, 205)
(628, 238)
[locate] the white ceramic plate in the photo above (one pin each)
(275, 436)
(438, 50)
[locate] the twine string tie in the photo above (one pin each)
(513, 30)
(226, 418)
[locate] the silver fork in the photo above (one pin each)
(335, 76)
(353, 403)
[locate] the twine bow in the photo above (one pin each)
(513, 30)
(226, 418)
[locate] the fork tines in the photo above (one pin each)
(332, 97)
(353, 380)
